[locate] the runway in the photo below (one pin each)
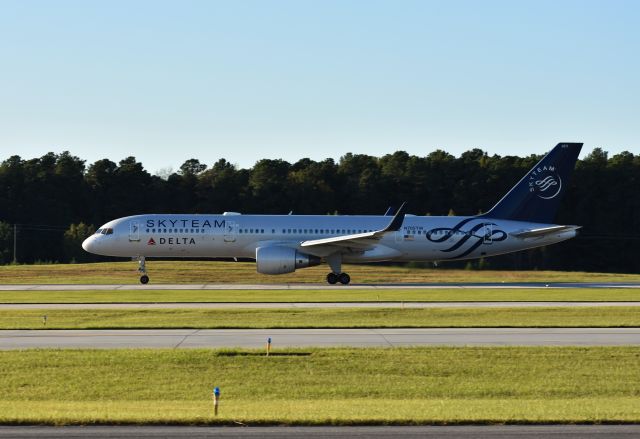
(311, 305)
(301, 286)
(256, 338)
(410, 432)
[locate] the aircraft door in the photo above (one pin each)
(230, 231)
(134, 231)
(488, 234)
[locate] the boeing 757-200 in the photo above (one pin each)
(522, 219)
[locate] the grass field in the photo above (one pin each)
(322, 386)
(322, 318)
(332, 295)
(242, 272)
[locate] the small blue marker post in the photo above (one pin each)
(216, 400)
(268, 346)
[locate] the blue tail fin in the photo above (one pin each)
(537, 196)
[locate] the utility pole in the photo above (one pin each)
(15, 241)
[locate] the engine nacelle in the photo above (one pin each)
(279, 260)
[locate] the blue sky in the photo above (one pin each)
(244, 80)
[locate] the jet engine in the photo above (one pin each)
(279, 260)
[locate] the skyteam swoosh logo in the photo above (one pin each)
(466, 240)
(545, 182)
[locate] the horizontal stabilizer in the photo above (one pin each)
(543, 231)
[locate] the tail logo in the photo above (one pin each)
(545, 182)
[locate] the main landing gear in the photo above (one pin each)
(142, 269)
(334, 278)
(335, 262)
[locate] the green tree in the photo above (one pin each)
(73, 237)
(268, 186)
(192, 167)
(6, 243)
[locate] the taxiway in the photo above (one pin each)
(302, 286)
(256, 338)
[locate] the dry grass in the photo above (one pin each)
(322, 318)
(322, 386)
(337, 294)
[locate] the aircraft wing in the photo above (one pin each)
(359, 240)
(544, 231)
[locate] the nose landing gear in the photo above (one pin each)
(142, 269)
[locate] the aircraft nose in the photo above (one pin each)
(89, 244)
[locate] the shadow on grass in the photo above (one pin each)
(262, 354)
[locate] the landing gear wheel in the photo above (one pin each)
(344, 278)
(144, 279)
(332, 278)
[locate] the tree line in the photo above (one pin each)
(56, 200)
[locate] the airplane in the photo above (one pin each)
(521, 220)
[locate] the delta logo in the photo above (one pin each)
(173, 241)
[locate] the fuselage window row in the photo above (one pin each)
(175, 231)
(106, 231)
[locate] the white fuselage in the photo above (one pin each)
(421, 238)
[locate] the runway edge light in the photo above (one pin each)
(268, 346)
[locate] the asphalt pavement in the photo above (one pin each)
(309, 305)
(256, 338)
(309, 286)
(412, 432)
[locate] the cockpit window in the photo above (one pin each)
(99, 231)
(105, 231)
